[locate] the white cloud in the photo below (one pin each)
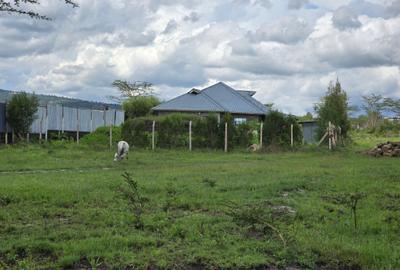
(288, 56)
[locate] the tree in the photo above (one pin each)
(373, 105)
(24, 7)
(333, 108)
(392, 105)
(21, 110)
(139, 106)
(130, 90)
(307, 117)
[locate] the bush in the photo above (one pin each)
(172, 131)
(205, 132)
(389, 128)
(21, 112)
(137, 131)
(277, 129)
(139, 106)
(101, 137)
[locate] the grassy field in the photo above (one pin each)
(63, 207)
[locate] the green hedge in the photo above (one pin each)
(172, 131)
(101, 137)
(277, 129)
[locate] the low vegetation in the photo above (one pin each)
(69, 207)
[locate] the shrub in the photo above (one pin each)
(21, 112)
(205, 132)
(277, 129)
(389, 128)
(137, 131)
(173, 131)
(139, 106)
(101, 137)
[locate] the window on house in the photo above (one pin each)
(239, 121)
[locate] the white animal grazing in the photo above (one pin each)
(122, 151)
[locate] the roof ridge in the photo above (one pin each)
(238, 94)
(213, 101)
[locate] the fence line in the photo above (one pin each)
(61, 118)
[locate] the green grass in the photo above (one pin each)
(202, 210)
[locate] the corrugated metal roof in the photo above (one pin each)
(216, 98)
(5, 95)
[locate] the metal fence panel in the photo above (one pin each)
(54, 117)
(84, 120)
(98, 119)
(40, 121)
(120, 118)
(2, 117)
(89, 120)
(109, 117)
(70, 119)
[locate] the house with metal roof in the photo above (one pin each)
(219, 99)
(64, 114)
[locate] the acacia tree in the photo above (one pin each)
(131, 89)
(333, 108)
(393, 105)
(26, 7)
(373, 105)
(21, 110)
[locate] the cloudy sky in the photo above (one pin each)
(286, 50)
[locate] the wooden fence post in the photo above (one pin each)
(153, 139)
(226, 137)
(302, 132)
(77, 125)
(190, 135)
(111, 126)
(91, 120)
(261, 134)
(329, 136)
(47, 125)
(41, 128)
(13, 136)
(291, 135)
(6, 135)
(27, 137)
(62, 119)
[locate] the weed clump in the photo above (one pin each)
(134, 198)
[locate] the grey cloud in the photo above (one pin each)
(192, 17)
(171, 27)
(373, 10)
(297, 4)
(288, 30)
(263, 3)
(345, 18)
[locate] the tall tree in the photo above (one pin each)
(333, 108)
(130, 90)
(21, 110)
(26, 7)
(373, 105)
(393, 105)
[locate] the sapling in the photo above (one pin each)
(135, 200)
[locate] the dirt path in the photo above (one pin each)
(31, 171)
